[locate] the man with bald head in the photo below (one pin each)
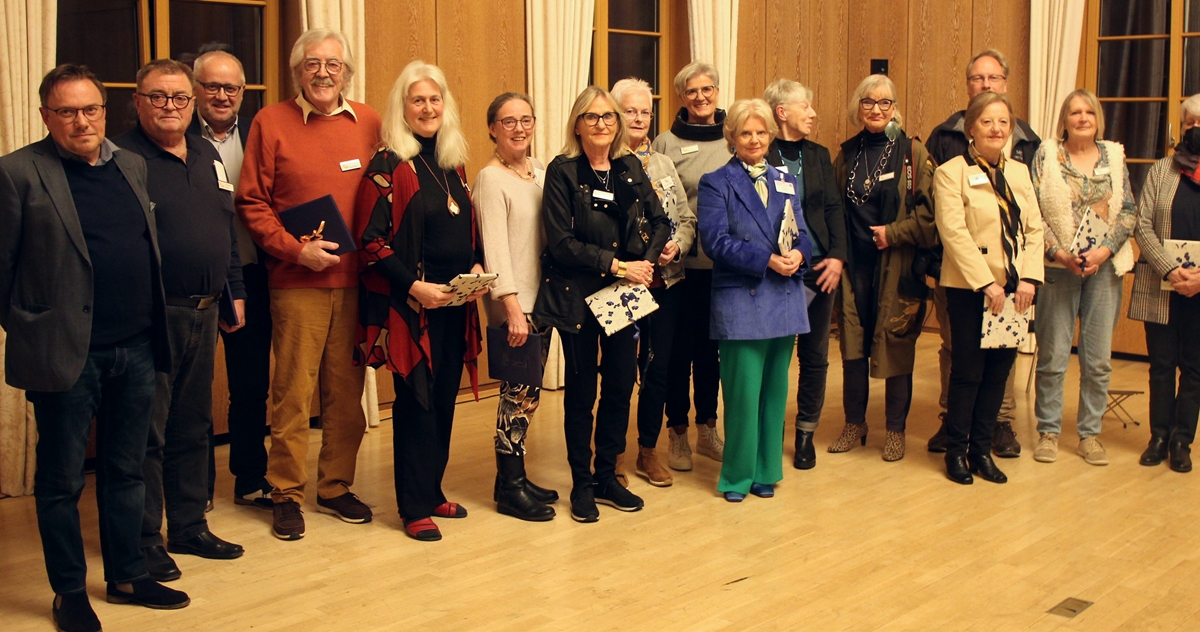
(986, 72)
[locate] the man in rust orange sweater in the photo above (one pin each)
(299, 150)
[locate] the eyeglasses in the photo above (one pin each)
(634, 115)
(90, 112)
(869, 104)
(313, 65)
(159, 100)
(694, 93)
(212, 89)
(991, 78)
(593, 119)
(510, 123)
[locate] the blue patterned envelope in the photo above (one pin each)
(1006, 330)
(618, 305)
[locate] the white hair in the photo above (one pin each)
(452, 150)
(311, 38)
(629, 86)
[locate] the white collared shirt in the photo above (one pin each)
(307, 108)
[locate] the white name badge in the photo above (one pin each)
(977, 179)
(887, 176)
(222, 176)
(225, 186)
(667, 182)
(690, 149)
(783, 168)
(785, 187)
(350, 165)
(1101, 171)
(603, 195)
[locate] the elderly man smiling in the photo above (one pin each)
(302, 149)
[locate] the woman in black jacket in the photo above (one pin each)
(603, 224)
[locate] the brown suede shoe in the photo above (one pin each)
(649, 468)
(619, 472)
(288, 522)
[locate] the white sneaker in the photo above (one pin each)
(709, 442)
(679, 457)
(1092, 451)
(1047, 448)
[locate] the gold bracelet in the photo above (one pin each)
(622, 270)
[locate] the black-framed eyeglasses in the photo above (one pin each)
(212, 89)
(593, 119)
(90, 112)
(332, 66)
(159, 100)
(869, 104)
(510, 123)
(692, 94)
(633, 115)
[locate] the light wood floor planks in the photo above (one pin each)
(855, 544)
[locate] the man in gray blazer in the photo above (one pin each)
(82, 302)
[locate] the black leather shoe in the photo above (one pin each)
(540, 494)
(160, 565)
(806, 453)
(74, 613)
(208, 546)
(957, 470)
(148, 593)
(1004, 441)
(985, 467)
(1181, 456)
(1155, 453)
(937, 443)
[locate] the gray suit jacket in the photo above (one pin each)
(46, 272)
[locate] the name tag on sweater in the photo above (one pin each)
(350, 165)
(603, 195)
(223, 182)
(883, 177)
(977, 179)
(785, 187)
(667, 183)
(690, 149)
(1101, 171)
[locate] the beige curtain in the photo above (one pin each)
(29, 28)
(347, 16)
(558, 53)
(713, 27)
(1055, 32)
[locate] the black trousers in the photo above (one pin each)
(616, 356)
(695, 355)
(421, 437)
(1174, 349)
(654, 361)
(248, 367)
(977, 377)
(812, 352)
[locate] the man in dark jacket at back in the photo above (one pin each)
(986, 72)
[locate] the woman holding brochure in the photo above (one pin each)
(1168, 216)
(419, 233)
(604, 225)
(1082, 186)
(752, 225)
(508, 195)
(990, 227)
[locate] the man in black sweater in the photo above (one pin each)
(190, 190)
(81, 299)
(986, 72)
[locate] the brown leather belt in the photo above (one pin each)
(194, 302)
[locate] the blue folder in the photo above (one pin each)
(303, 219)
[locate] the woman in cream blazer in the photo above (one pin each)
(990, 226)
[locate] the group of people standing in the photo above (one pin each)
(748, 235)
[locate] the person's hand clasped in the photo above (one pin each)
(785, 266)
(1093, 259)
(668, 253)
(1073, 264)
(1185, 281)
(1024, 296)
(880, 237)
(995, 297)
(239, 308)
(314, 255)
(430, 295)
(831, 275)
(639, 272)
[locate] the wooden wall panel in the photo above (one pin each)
(1004, 26)
(397, 33)
(823, 66)
(939, 46)
(680, 55)
(783, 42)
(751, 56)
(880, 30)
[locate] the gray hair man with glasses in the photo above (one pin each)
(986, 72)
(81, 298)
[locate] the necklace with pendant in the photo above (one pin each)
(451, 205)
(528, 175)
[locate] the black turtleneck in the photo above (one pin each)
(446, 239)
(698, 132)
(869, 214)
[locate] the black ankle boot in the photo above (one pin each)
(1181, 455)
(806, 454)
(512, 497)
(985, 467)
(1156, 452)
(957, 470)
(541, 494)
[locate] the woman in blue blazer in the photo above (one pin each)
(752, 225)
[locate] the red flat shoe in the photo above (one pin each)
(424, 530)
(450, 510)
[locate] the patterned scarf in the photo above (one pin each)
(1010, 213)
(758, 173)
(643, 152)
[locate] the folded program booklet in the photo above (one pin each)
(618, 305)
(1006, 330)
(465, 285)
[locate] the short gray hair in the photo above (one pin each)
(311, 38)
(784, 91)
(199, 62)
(628, 86)
(865, 86)
(994, 54)
(693, 70)
(741, 111)
(1190, 105)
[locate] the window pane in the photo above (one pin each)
(1134, 17)
(633, 56)
(1133, 68)
(633, 15)
(102, 34)
(235, 28)
(251, 103)
(1192, 16)
(1141, 127)
(121, 115)
(1191, 66)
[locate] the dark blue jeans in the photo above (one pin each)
(654, 361)
(117, 388)
(176, 465)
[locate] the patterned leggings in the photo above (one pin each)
(517, 403)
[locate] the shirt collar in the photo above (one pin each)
(307, 108)
(206, 130)
(106, 152)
